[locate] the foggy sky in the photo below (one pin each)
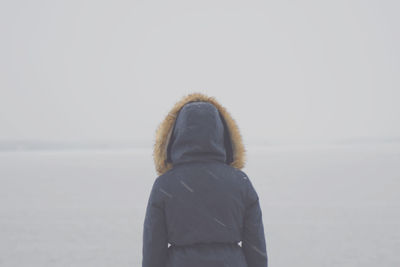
(111, 70)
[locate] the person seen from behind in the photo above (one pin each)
(203, 210)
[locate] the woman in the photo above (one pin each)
(202, 204)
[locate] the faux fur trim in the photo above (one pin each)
(164, 130)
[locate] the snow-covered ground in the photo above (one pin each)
(322, 205)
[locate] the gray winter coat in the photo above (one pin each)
(203, 210)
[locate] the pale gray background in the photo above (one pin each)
(313, 86)
(73, 70)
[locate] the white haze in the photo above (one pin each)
(288, 71)
(313, 86)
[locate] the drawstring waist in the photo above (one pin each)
(207, 245)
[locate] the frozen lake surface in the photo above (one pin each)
(322, 205)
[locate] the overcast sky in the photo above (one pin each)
(111, 70)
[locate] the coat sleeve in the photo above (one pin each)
(155, 238)
(253, 243)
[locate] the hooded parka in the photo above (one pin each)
(203, 210)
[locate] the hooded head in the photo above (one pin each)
(198, 128)
(198, 134)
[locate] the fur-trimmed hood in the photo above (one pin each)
(236, 150)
